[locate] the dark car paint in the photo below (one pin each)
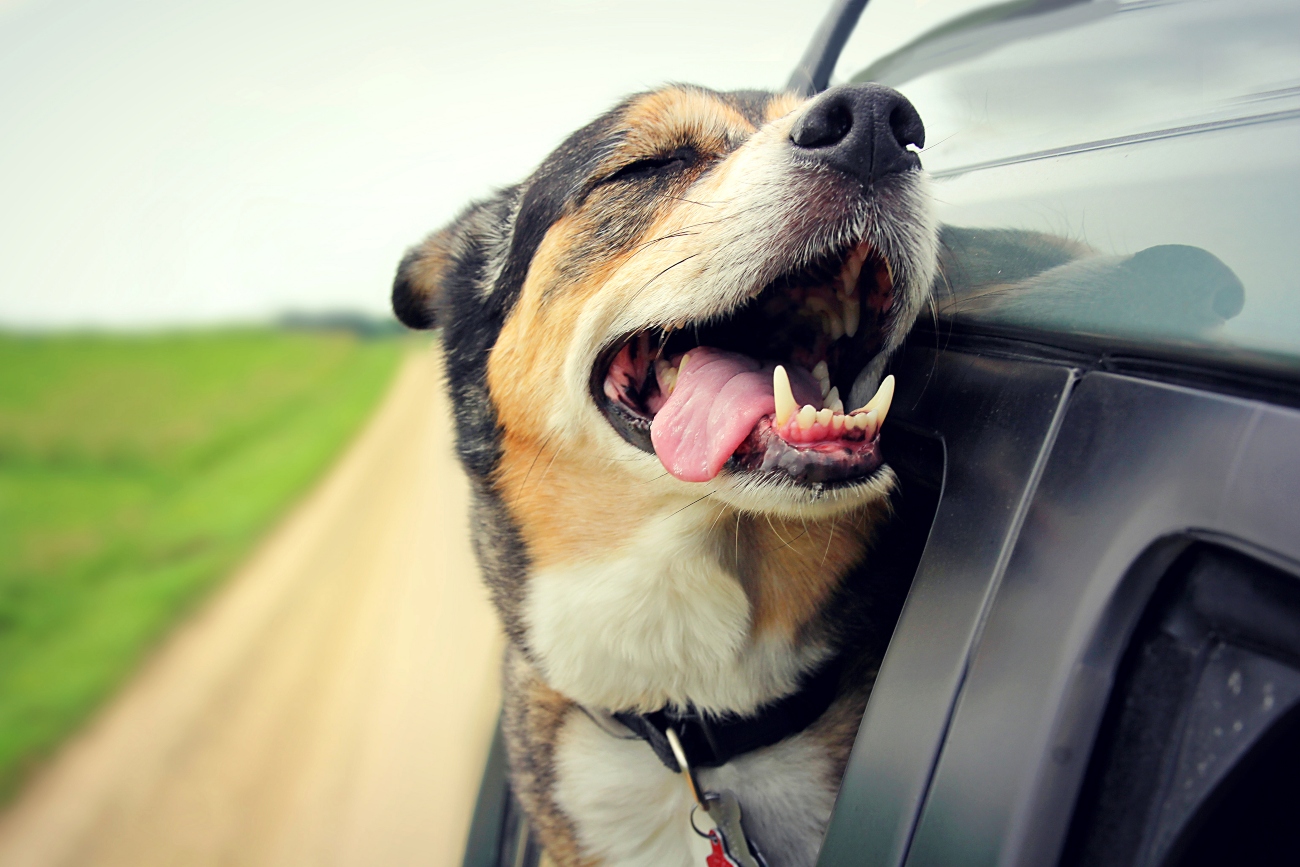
(1137, 471)
(994, 418)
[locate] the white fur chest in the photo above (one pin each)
(662, 622)
(631, 811)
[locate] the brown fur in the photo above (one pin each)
(531, 719)
(792, 567)
(551, 494)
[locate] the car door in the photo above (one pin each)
(1098, 654)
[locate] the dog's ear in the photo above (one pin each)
(421, 276)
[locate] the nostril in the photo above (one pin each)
(906, 126)
(866, 131)
(826, 125)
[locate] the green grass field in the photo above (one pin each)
(135, 472)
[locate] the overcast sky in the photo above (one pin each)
(167, 162)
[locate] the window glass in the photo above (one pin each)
(1108, 167)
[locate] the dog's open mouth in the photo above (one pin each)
(761, 390)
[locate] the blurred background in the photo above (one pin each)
(239, 622)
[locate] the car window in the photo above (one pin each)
(1107, 167)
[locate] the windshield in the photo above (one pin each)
(1107, 168)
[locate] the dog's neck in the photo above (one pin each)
(635, 603)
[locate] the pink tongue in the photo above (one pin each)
(718, 399)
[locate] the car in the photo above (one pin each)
(1097, 435)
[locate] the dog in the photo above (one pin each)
(666, 352)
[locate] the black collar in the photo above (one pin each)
(710, 741)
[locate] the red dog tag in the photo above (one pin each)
(718, 857)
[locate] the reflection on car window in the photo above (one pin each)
(1110, 167)
(898, 38)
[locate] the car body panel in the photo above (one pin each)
(1137, 467)
(995, 419)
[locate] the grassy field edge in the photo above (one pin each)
(135, 474)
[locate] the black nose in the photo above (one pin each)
(861, 129)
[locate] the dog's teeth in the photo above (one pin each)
(868, 423)
(807, 416)
(666, 374)
(816, 305)
(785, 402)
(852, 268)
(834, 326)
(823, 375)
(880, 402)
(824, 417)
(837, 423)
(833, 400)
(871, 415)
(852, 315)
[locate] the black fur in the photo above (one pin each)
(563, 179)
(471, 320)
(481, 262)
(411, 309)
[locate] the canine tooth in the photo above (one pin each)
(833, 400)
(785, 403)
(823, 375)
(824, 416)
(682, 364)
(852, 269)
(852, 315)
(807, 416)
(883, 398)
(834, 326)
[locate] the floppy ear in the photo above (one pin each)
(421, 276)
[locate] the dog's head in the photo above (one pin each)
(707, 283)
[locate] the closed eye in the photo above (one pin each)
(649, 167)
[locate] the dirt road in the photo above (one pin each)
(331, 705)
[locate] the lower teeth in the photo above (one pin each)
(810, 424)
